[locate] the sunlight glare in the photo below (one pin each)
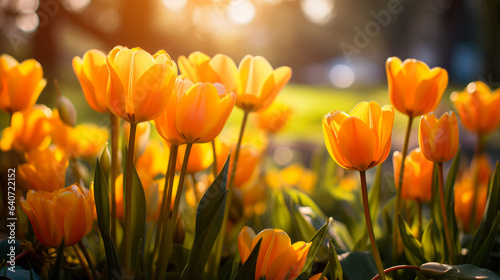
(317, 11)
(240, 12)
(174, 5)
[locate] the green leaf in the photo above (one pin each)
(210, 214)
(247, 271)
(303, 199)
(334, 264)
(482, 255)
(458, 272)
(450, 201)
(432, 243)
(103, 221)
(413, 248)
(490, 212)
(281, 217)
(358, 265)
(316, 242)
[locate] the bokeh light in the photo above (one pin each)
(241, 12)
(27, 22)
(283, 155)
(317, 11)
(174, 5)
(341, 76)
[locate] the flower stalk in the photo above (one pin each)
(127, 238)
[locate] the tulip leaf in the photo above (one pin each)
(413, 248)
(281, 217)
(316, 242)
(334, 264)
(227, 269)
(439, 271)
(103, 221)
(482, 255)
(248, 269)
(209, 216)
(490, 211)
(138, 213)
(432, 243)
(358, 265)
(303, 199)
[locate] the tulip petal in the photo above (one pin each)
(357, 143)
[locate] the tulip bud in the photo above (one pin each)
(67, 111)
(105, 160)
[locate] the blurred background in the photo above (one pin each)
(336, 48)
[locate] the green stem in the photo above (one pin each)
(214, 165)
(115, 170)
(89, 260)
(219, 245)
(444, 215)
(167, 196)
(127, 234)
(419, 213)
(195, 192)
(397, 210)
(397, 267)
(479, 151)
(373, 242)
(171, 227)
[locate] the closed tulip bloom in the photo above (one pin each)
(20, 83)
(438, 139)
(414, 89)
(93, 74)
(200, 68)
(417, 177)
(278, 258)
(45, 170)
(202, 112)
(477, 106)
(29, 129)
(362, 139)
(259, 84)
(249, 159)
(66, 213)
(139, 83)
(274, 118)
(200, 158)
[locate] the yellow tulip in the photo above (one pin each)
(200, 157)
(200, 68)
(278, 258)
(258, 83)
(30, 129)
(93, 74)
(438, 139)
(139, 83)
(66, 213)
(274, 118)
(477, 107)
(362, 139)
(45, 170)
(202, 111)
(414, 89)
(417, 177)
(20, 83)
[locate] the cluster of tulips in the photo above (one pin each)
(142, 198)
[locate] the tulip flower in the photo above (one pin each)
(139, 83)
(294, 175)
(464, 202)
(20, 83)
(93, 74)
(362, 139)
(29, 129)
(273, 119)
(438, 139)
(65, 213)
(250, 158)
(414, 89)
(200, 68)
(200, 158)
(417, 175)
(259, 84)
(278, 258)
(45, 170)
(153, 160)
(477, 107)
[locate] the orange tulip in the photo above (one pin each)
(248, 160)
(66, 213)
(45, 170)
(464, 195)
(362, 139)
(200, 158)
(438, 139)
(139, 83)
(200, 68)
(294, 175)
(202, 112)
(20, 83)
(414, 89)
(278, 258)
(154, 160)
(259, 84)
(417, 177)
(477, 107)
(30, 129)
(93, 74)
(274, 118)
